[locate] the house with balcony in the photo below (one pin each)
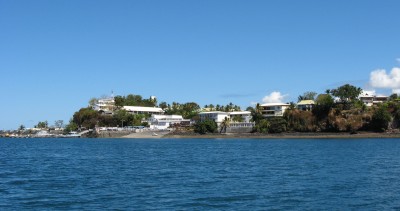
(243, 116)
(239, 121)
(369, 98)
(216, 116)
(162, 122)
(273, 109)
(105, 105)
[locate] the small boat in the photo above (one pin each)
(155, 134)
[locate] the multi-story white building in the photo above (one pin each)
(105, 105)
(217, 116)
(244, 125)
(162, 122)
(369, 98)
(274, 109)
(244, 115)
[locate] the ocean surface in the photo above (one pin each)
(205, 174)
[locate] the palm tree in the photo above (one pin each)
(225, 124)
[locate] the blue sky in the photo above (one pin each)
(56, 55)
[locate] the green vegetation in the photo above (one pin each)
(346, 114)
(262, 126)
(187, 110)
(225, 124)
(42, 125)
(227, 108)
(380, 119)
(21, 127)
(307, 96)
(134, 100)
(206, 126)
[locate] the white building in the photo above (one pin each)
(369, 98)
(143, 110)
(162, 122)
(217, 116)
(245, 125)
(244, 115)
(105, 105)
(273, 109)
(306, 105)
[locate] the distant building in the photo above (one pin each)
(105, 105)
(274, 109)
(216, 116)
(244, 115)
(162, 122)
(306, 105)
(369, 98)
(143, 110)
(245, 125)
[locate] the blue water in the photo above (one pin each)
(185, 174)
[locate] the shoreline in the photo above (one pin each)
(361, 135)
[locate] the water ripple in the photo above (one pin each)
(96, 174)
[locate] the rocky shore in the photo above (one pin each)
(287, 135)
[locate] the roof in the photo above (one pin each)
(365, 93)
(143, 109)
(214, 112)
(239, 112)
(274, 104)
(155, 116)
(306, 102)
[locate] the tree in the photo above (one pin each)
(71, 126)
(346, 93)
(42, 125)
(59, 123)
(262, 126)
(277, 125)
(206, 126)
(251, 109)
(323, 105)
(256, 114)
(163, 105)
(93, 102)
(307, 96)
(380, 119)
(225, 124)
(119, 101)
(237, 118)
(86, 117)
(21, 127)
(393, 97)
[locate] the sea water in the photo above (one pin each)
(199, 174)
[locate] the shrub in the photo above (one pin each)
(277, 125)
(380, 119)
(206, 126)
(262, 126)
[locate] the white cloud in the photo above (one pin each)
(274, 97)
(381, 79)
